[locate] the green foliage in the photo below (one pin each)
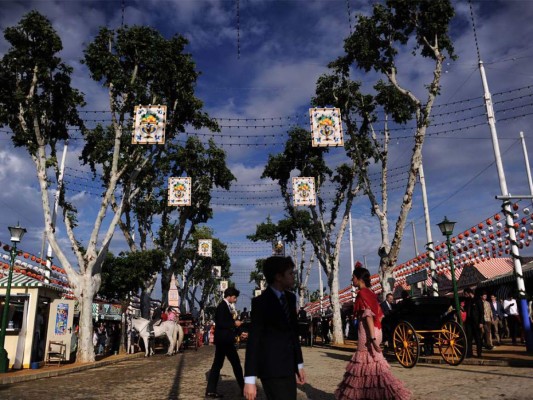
(35, 86)
(126, 274)
(315, 296)
(257, 275)
(378, 37)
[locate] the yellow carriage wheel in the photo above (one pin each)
(452, 343)
(406, 344)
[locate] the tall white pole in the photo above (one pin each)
(429, 247)
(526, 158)
(414, 238)
(54, 212)
(508, 212)
(351, 253)
(320, 288)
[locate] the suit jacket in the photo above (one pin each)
(497, 312)
(474, 311)
(224, 325)
(273, 349)
(385, 308)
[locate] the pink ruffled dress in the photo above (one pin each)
(368, 375)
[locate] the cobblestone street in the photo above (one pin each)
(184, 377)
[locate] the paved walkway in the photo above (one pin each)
(184, 377)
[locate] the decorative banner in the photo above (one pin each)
(149, 125)
(326, 127)
(217, 271)
(223, 285)
(278, 248)
(179, 191)
(61, 319)
(304, 191)
(204, 247)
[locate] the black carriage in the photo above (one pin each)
(190, 332)
(429, 322)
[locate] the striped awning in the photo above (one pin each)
(495, 267)
(527, 271)
(21, 280)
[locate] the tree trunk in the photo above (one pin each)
(166, 276)
(333, 282)
(145, 304)
(85, 340)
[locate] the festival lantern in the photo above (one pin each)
(303, 191)
(149, 124)
(326, 127)
(179, 191)
(205, 247)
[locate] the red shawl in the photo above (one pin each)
(367, 299)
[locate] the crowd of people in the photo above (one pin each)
(273, 352)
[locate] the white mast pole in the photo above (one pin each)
(506, 206)
(429, 246)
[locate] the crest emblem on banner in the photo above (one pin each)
(223, 285)
(179, 191)
(149, 124)
(326, 127)
(205, 247)
(278, 248)
(304, 191)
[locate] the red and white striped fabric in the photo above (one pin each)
(494, 267)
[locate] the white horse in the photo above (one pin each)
(172, 330)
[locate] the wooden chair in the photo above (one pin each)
(57, 352)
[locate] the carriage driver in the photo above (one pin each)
(156, 319)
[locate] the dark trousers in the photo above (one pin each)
(514, 327)
(221, 352)
(473, 333)
(280, 388)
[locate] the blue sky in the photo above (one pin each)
(264, 65)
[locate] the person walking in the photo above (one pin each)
(225, 326)
(474, 322)
(487, 322)
(273, 351)
(497, 318)
(510, 308)
(368, 375)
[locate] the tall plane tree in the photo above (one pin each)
(322, 225)
(393, 30)
(39, 105)
(198, 279)
(139, 66)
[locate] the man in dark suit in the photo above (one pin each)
(474, 322)
(273, 351)
(388, 307)
(225, 326)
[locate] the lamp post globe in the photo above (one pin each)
(17, 232)
(446, 228)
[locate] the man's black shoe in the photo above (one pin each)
(214, 395)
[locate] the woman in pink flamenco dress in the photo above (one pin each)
(368, 375)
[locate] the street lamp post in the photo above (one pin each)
(446, 227)
(16, 235)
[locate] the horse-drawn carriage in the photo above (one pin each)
(428, 322)
(191, 334)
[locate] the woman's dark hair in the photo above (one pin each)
(362, 274)
(276, 265)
